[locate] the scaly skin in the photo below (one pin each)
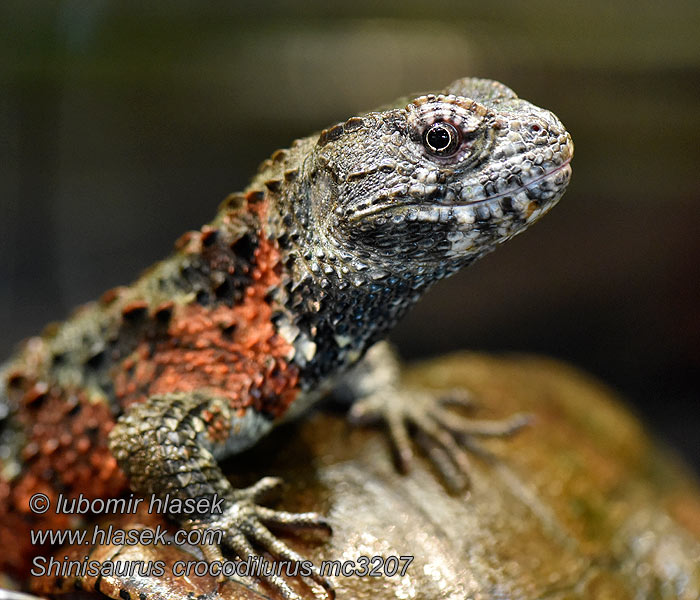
(265, 309)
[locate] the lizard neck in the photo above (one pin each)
(333, 305)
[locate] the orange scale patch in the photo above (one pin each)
(69, 438)
(233, 352)
(65, 453)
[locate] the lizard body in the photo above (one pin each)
(261, 312)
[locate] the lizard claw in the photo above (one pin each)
(245, 530)
(259, 490)
(457, 397)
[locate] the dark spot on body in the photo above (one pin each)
(36, 396)
(164, 312)
(93, 431)
(16, 380)
(203, 298)
(228, 330)
(96, 360)
(274, 185)
(244, 248)
(75, 409)
(209, 237)
(283, 241)
(255, 197)
(135, 311)
(224, 291)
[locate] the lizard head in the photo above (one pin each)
(434, 182)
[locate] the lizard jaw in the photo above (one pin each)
(468, 212)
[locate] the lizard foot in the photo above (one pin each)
(245, 526)
(441, 433)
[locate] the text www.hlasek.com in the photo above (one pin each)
(128, 537)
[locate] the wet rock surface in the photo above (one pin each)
(582, 504)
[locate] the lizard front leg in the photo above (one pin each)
(379, 395)
(166, 446)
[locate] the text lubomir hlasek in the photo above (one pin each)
(165, 505)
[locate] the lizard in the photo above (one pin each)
(284, 297)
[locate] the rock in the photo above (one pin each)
(581, 504)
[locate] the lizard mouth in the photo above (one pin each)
(523, 187)
(443, 212)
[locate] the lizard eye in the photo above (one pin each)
(441, 139)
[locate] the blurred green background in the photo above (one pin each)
(125, 123)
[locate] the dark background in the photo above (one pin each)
(122, 124)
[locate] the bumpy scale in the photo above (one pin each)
(263, 311)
